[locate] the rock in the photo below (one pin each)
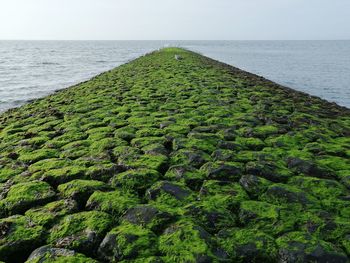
(22, 196)
(229, 145)
(51, 212)
(194, 158)
(19, 234)
(185, 241)
(104, 172)
(80, 190)
(267, 170)
(223, 155)
(211, 217)
(286, 194)
(48, 254)
(82, 231)
(254, 185)
(128, 241)
(114, 203)
(308, 168)
(222, 171)
(177, 191)
(192, 177)
(261, 215)
(147, 216)
(302, 247)
(135, 180)
(248, 245)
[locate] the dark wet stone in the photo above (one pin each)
(254, 185)
(48, 254)
(286, 195)
(128, 242)
(228, 145)
(47, 251)
(190, 175)
(299, 247)
(147, 216)
(308, 168)
(174, 190)
(266, 170)
(218, 171)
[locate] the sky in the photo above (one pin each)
(175, 19)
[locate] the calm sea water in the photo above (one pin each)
(32, 69)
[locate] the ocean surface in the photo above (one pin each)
(33, 69)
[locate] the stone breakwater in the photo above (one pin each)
(175, 160)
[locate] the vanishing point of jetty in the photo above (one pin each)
(175, 157)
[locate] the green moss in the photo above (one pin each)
(248, 245)
(185, 242)
(169, 196)
(226, 153)
(251, 143)
(18, 233)
(37, 155)
(51, 212)
(135, 180)
(8, 173)
(129, 241)
(74, 258)
(22, 196)
(261, 215)
(264, 131)
(305, 246)
(48, 164)
(114, 203)
(334, 162)
(76, 229)
(283, 194)
(319, 188)
(61, 175)
(188, 175)
(80, 190)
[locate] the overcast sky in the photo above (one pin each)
(174, 19)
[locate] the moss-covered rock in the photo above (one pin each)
(135, 180)
(48, 254)
(187, 160)
(222, 171)
(80, 190)
(248, 245)
(20, 197)
(114, 203)
(80, 231)
(51, 212)
(18, 237)
(147, 216)
(301, 247)
(169, 196)
(128, 241)
(187, 242)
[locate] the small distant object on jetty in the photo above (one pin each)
(178, 57)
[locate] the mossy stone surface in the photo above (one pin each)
(23, 196)
(18, 237)
(175, 160)
(48, 254)
(81, 231)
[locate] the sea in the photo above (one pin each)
(33, 69)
